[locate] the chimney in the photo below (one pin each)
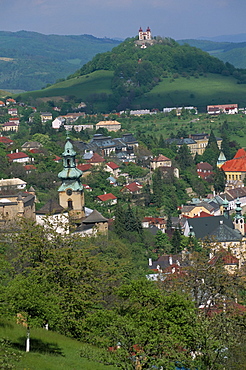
(17, 150)
(170, 260)
(150, 261)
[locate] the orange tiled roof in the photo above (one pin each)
(113, 165)
(235, 165)
(240, 153)
(105, 197)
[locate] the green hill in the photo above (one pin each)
(164, 74)
(232, 52)
(48, 350)
(30, 60)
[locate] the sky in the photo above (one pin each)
(178, 19)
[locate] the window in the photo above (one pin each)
(70, 204)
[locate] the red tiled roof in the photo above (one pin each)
(10, 124)
(112, 165)
(105, 197)
(204, 175)
(84, 166)
(5, 140)
(17, 155)
(35, 151)
(56, 159)
(87, 187)
(202, 214)
(155, 220)
(133, 187)
(96, 158)
(160, 158)
(29, 167)
(12, 119)
(227, 258)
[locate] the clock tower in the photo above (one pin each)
(71, 192)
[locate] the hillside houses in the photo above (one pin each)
(165, 165)
(106, 145)
(222, 108)
(196, 142)
(204, 170)
(18, 157)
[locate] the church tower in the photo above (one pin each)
(71, 193)
(239, 219)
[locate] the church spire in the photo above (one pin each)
(71, 194)
(70, 175)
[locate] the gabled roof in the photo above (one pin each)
(5, 140)
(51, 207)
(107, 123)
(237, 192)
(202, 214)
(160, 158)
(17, 155)
(235, 165)
(240, 153)
(133, 186)
(106, 197)
(84, 167)
(94, 217)
(29, 167)
(96, 158)
(224, 233)
(209, 226)
(32, 145)
(112, 165)
(10, 124)
(204, 166)
(227, 258)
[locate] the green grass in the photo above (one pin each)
(81, 87)
(48, 350)
(199, 92)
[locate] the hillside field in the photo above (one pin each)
(198, 92)
(81, 87)
(48, 350)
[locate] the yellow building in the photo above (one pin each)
(109, 125)
(235, 169)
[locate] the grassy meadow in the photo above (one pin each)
(48, 350)
(81, 87)
(199, 92)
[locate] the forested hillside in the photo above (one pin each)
(164, 74)
(30, 60)
(232, 52)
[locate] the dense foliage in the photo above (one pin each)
(92, 290)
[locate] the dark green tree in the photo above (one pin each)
(219, 180)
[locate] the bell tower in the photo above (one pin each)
(239, 219)
(71, 192)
